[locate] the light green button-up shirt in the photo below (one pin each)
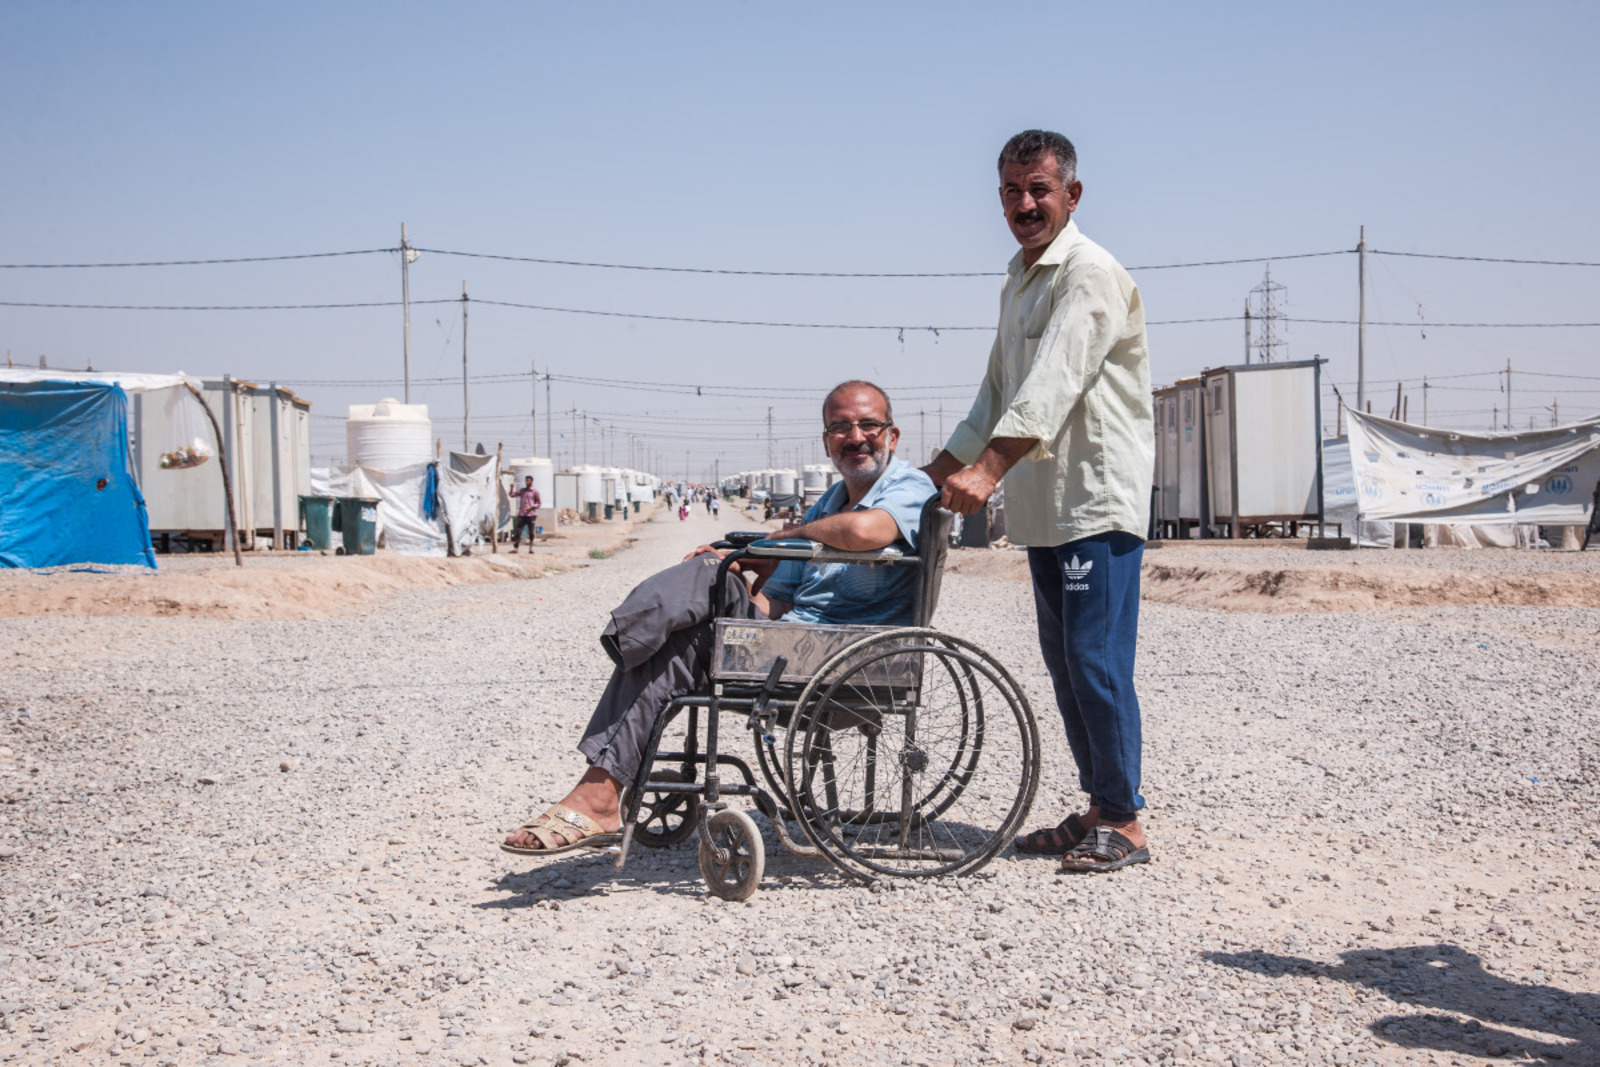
(1070, 369)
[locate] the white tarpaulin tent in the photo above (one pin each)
(468, 492)
(403, 526)
(1406, 473)
(1339, 499)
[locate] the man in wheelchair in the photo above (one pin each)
(660, 638)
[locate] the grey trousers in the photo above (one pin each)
(619, 729)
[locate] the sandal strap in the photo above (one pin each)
(1103, 845)
(560, 813)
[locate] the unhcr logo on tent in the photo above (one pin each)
(1075, 573)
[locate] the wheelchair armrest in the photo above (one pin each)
(740, 538)
(800, 548)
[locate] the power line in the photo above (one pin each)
(1487, 259)
(752, 272)
(193, 262)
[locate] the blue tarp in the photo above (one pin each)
(66, 492)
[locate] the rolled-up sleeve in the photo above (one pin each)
(973, 434)
(1085, 323)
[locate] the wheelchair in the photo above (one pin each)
(894, 751)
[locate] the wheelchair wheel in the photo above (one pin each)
(912, 753)
(735, 874)
(666, 818)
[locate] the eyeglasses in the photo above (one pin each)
(868, 428)
(1013, 193)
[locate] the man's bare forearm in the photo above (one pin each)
(849, 531)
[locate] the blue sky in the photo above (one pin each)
(803, 137)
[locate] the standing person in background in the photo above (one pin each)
(1064, 415)
(528, 505)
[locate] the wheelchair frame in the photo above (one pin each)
(875, 683)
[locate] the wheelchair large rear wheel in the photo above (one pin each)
(912, 753)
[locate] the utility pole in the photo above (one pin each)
(1247, 331)
(574, 441)
(466, 397)
(1361, 321)
(405, 301)
(769, 439)
(549, 422)
(1555, 411)
(533, 371)
(1508, 394)
(1424, 400)
(922, 436)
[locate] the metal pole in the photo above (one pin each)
(405, 302)
(533, 369)
(1424, 400)
(1508, 395)
(1316, 370)
(277, 477)
(1361, 322)
(549, 422)
(466, 397)
(1247, 331)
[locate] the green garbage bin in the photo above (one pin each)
(358, 524)
(316, 515)
(611, 512)
(594, 510)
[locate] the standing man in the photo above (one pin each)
(528, 504)
(1064, 415)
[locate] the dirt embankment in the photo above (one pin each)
(1277, 580)
(290, 585)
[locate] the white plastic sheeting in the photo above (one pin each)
(1339, 498)
(402, 526)
(468, 492)
(1406, 473)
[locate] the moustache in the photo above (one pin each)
(1028, 216)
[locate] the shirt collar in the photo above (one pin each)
(1054, 256)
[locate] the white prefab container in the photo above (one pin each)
(388, 435)
(1264, 443)
(1191, 445)
(279, 461)
(814, 478)
(266, 434)
(1166, 479)
(783, 483)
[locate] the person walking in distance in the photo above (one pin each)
(528, 504)
(1064, 414)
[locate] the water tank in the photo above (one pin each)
(591, 485)
(541, 470)
(783, 483)
(388, 435)
(814, 479)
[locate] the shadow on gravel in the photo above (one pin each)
(674, 871)
(1450, 980)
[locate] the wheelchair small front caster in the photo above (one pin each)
(732, 855)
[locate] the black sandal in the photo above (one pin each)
(1103, 850)
(1057, 840)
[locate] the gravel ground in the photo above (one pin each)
(1374, 842)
